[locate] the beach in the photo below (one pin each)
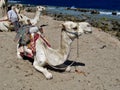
(99, 58)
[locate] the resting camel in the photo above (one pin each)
(46, 55)
(18, 8)
(5, 25)
(33, 21)
(3, 6)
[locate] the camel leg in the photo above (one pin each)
(38, 65)
(68, 69)
(27, 50)
(18, 52)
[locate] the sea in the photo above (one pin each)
(105, 7)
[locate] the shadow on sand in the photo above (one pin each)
(62, 67)
(59, 68)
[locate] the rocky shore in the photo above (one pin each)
(107, 24)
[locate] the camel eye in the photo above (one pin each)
(75, 28)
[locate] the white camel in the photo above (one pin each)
(5, 25)
(33, 21)
(3, 6)
(48, 56)
(19, 8)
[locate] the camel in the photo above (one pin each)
(18, 8)
(33, 21)
(46, 55)
(3, 6)
(5, 25)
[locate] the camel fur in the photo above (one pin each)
(3, 6)
(48, 56)
(5, 25)
(25, 19)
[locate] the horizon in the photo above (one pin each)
(101, 4)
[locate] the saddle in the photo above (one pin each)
(24, 38)
(23, 35)
(31, 46)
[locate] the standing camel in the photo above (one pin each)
(46, 55)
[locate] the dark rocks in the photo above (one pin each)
(30, 9)
(114, 13)
(107, 24)
(95, 12)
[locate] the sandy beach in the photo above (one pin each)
(99, 58)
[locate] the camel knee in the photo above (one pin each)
(43, 70)
(18, 52)
(27, 50)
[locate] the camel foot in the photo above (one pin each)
(49, 76)
(19, 56)
(43, 70)
(68, 69)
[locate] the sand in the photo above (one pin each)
(99, 58)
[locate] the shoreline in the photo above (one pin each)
(106, 23)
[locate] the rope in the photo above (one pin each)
(77, 47)
(3, 20)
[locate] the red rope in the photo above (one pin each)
(45, 41)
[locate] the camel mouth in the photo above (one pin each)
(88, 32)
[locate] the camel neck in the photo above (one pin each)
(65, 43)
(37, 15)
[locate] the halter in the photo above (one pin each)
(63, 66)
(76, 34)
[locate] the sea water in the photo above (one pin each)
(63, 8)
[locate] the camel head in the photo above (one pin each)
(74, 29)
(86, 27)
(18, 7)
(40, 8)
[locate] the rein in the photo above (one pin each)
(45, 41)
(76, 34)
(3, 20)
(63, 66)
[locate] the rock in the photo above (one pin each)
(95, 12)
(114, 13)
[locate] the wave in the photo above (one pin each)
(12, 1)
(109, 13)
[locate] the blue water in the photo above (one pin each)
(105, 10)
(96, 4)
(103, 13)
